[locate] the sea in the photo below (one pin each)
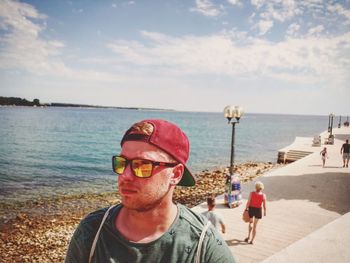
(59, 151)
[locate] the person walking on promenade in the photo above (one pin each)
(324, 155)
(148, 226)
(255, 203)
(345, 150)
(214, 217)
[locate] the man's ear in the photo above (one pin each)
(178, 171)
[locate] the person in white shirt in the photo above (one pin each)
(214, 217)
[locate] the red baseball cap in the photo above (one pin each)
(167, 137)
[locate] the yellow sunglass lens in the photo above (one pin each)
(142, 168)
(119, 165)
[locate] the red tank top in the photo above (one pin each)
(256, 200)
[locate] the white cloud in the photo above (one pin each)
(264, 26)
(15, 16)
(235, 2)
(22, 46)
(339, 9)
(311, 16)
(281, 10)
(293, 29)
(305, 59)
(313, 4)
(316, 30)
(258, 3)
(269, 12)
(207, 8)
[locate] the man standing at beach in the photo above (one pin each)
(147, 226)
(345, 150)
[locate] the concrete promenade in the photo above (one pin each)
(307, 208)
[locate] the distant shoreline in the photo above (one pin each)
(19, 102)
(86, 107)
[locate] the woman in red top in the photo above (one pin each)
(255, 203)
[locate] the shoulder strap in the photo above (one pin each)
(200, 243)
(93, 247)
(199, 248)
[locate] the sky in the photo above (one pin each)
(275, 56)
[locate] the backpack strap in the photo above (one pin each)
(93, 247)
(200, 243)
(199, 247)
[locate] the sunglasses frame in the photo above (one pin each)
(129, 161)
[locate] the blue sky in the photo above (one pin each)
(276, 56)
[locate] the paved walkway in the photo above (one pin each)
(302, 198)
(330, 243)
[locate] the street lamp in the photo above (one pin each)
(330, 129)
(339, 124)
(233, 196)
(331, 124)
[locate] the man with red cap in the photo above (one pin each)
(148, 226)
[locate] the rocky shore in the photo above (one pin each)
(40, 230)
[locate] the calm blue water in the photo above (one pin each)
(58, 151)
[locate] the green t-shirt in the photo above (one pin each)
(178, 244)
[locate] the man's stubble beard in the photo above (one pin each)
(148, 206)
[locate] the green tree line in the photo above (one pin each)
(18, 101)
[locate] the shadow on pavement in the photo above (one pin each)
(326, 166)
(236, 242)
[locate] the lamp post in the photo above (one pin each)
(330, 129)
(331, 124)
(233, 195)
(339, 124)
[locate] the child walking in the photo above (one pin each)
(324, 155)
(214, 217)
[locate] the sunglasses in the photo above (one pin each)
(141, 168)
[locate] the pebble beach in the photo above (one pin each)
(40, 230)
